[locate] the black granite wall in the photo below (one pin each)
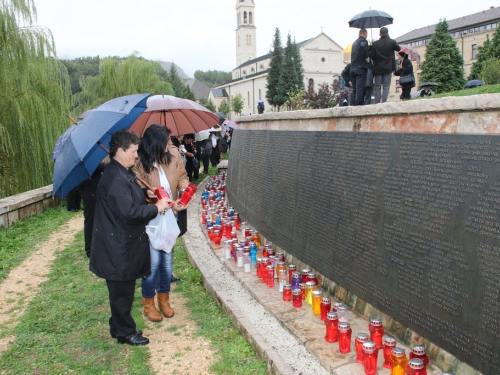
(408, 222)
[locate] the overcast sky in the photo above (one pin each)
(200, 34)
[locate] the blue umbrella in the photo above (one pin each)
(88, 143)
(474, 83)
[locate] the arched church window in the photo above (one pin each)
(261, 66)
(248, 98)
(245, 17)
(250, 18)
(244, 72)
(311, 84)
(253, 70)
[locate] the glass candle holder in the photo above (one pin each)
(326, 305)
(376, 331)
(258, 269)
(264, 269)
(370, 354)
(311, 276)
(281, 256)
(217, 237)
(282, 279)
(291, 269)
(388, 344)
(418, 351)
(358, 345)
(296, 280)
(297, 297)
(227, 249)
(310, 286)
(302, 288)
(281, 266)
(317, 295)
(336, 305)
(343, 312)
(344, 336)
(304, 273)
(239, 256)
(211, 234)
(399, 361)
(287, 292)
(265, 249)
(247, 233)
(416, 367)
(270, 276)
(331, 323)
(247, 266)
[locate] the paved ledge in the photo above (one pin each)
(473, 103)
(291, 340)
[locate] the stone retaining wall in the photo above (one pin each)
(20, 206)
(476, 115)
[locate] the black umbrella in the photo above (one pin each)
(221, 115)
(429, 84)
(370, 19)
(474, 83)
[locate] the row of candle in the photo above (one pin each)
(222, 221)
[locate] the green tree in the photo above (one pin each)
(189, 94)
(212, 78)
(299, 69)
(224, 107)
(274, 70)
(490, 73)
(288, 80)
(483, 54)
(176, 82)
(133, 75)
(35, 96)
(443, 62)
(81, 66)
(237, 104)
(495, 44)
(210, 105)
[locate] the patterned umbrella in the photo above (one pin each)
(181, 116)
(412, 53)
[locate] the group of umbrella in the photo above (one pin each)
(83, 146)
(375, 19)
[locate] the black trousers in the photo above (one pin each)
(121, 297)
(73, 200)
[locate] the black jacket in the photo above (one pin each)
(120, 245)
(382, 54)
(405, 69)
(346, 75)
(359, 53)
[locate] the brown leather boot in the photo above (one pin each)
(150, 309)
(164, 305)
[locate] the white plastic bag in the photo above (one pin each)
(163, 231)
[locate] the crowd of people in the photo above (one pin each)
(372, 67)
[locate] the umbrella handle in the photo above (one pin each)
(148, 199)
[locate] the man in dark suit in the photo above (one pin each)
(360, 56)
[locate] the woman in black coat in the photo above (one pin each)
(405, 69)
(120, 245)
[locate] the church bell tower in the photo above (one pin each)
(245, 31)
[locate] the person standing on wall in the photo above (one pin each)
(382, 54)
(360, 56)
(120, 246)
(405, 70)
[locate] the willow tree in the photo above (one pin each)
(35, 96)
(118, 77)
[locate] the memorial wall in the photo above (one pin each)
(408, 222)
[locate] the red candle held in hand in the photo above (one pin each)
(188, 193)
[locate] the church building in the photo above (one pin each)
(322, 59)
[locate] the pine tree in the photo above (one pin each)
(298, 66)
(176, 82)
(188, 93)
(288, 74)
(483, 54)
(274, 69)
(35, 97)
(443, 62)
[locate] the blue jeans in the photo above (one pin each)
(161, 273)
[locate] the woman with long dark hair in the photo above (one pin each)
(160, 165)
